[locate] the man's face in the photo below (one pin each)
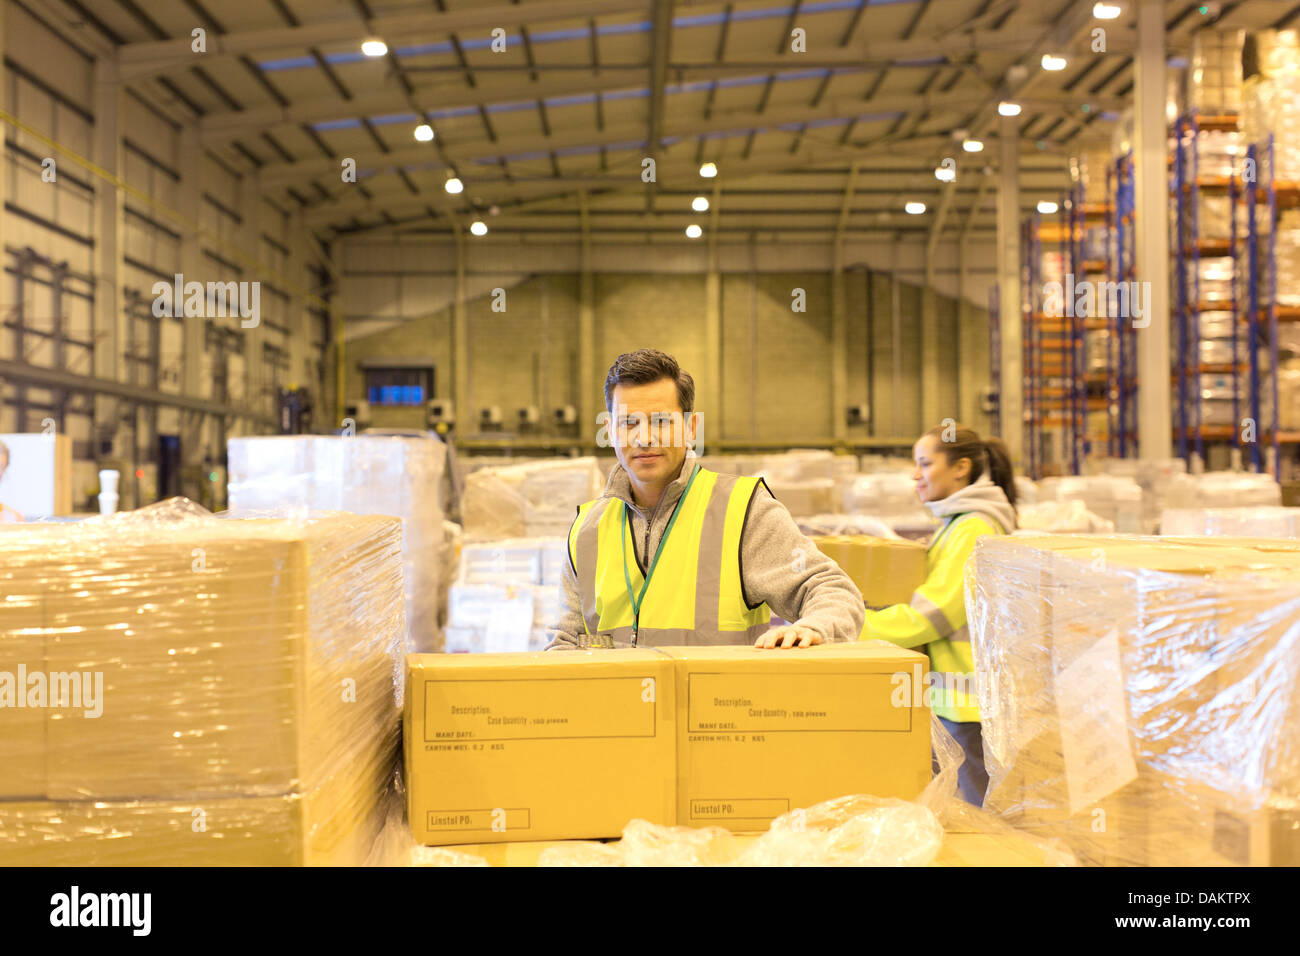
(650, 431)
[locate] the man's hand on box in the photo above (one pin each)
(792, 635)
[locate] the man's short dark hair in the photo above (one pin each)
(650, 365)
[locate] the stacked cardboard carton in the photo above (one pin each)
(1141, 697)
(574, 745)
(362, 474)
(198, 690)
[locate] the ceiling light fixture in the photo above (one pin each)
(424, 132)
(374, 47)
(1047, 207)
(1007, 108)
(972, 145)
(945, 174)
(478, 227)
(1106, 11)
(454, 185)
(914, 208)
(700, 204)
(708, 170)
(693, 231)
(1052, 62)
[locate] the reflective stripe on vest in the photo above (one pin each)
(695, 596)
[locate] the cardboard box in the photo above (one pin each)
(227, 658)
(885, 570)
(538, 746)
(288, 830)
(760, 733)
(1179, 638)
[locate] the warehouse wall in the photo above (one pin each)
(50, 84)
(775, 362)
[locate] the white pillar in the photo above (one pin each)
(256, 380)
(1155, 427)
(1011, 393)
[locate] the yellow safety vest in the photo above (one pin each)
(936, 618)
(695, 594)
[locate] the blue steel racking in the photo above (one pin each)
(1265, 190)
(1189, 247)
(1122, 351)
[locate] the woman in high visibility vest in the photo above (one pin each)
(967, 482)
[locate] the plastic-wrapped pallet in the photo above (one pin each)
(1288, 384)
(1271, 101)
(1223, 488)
(536, 499)
(1263, 522)
(1140, 697)
(490, 618)
(797, 466)
(804, 498)
(362, 474)
(884, 494)
(1026, 490)
(1060, 517)
(509, 561)
(240, 672)
(1112, 498)
(1214, 76)
(1092, 165)
(875, 464)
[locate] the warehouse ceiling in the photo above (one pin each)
(550, 135)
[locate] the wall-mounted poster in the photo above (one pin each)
(35, 476)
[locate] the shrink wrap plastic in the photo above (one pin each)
(890, 495)
(536, 499)
(1214, 80)
(1060, 517)
(246, 677)
(363, 474)
(1235, 522)
(1111, 498)
(1140, 697)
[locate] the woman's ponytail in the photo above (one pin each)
(1000, 471)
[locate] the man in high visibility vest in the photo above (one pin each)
(672, 553)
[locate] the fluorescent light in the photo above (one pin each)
(914, 208)
(1006, 108)
(1053, 63)
(708, 170)
(454, 185)
(1106, 11)
(700, 204)
(945, 174)
(374, 47)
(693, 231)
(972, 145)
(478, 227)
(1047, 207)
(424, 132)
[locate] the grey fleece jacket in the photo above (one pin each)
(821, 596)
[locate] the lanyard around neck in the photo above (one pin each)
(636, 599)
